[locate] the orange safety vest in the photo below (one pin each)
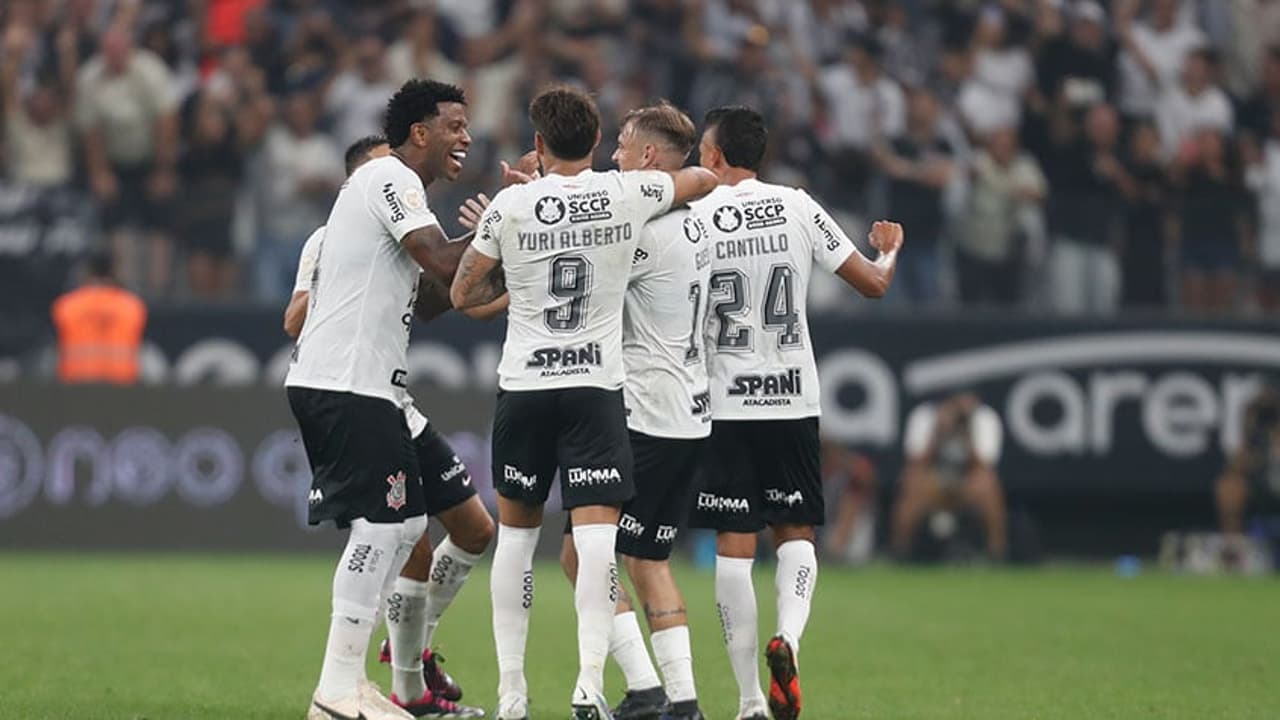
(99, 334)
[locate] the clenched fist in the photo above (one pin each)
(886, 236)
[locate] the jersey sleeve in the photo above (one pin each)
(650, 191)
(987, 434)
(307, 261)
(488, 239)
(396, 197)
(919, 430)
(831, 246)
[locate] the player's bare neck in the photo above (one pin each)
(732, 175)
(407, 156)
(552, 165)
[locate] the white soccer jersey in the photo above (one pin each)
(307, 261)
(365, 283)
(765, 240)
(663, 344)
(566, 244)
(302, 283)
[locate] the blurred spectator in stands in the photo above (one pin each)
(1263, 178)
(1078, 66)
(1002, 222)
(1256, 111)
(1193, 104)
(911, 52)
(748, 78)
(301, 169)
(1086, 174)
(491, 33)
(221, 129)
(126, 113)
(99, 327)
(920, 164)
(951, 449)
(418, 54)
(358, 96)
(864, 107)
(38, 140)
(852, 476)
(1002, 72)
(1213, 198)
(1155, 49)
(1251, 478)
(1145, 240)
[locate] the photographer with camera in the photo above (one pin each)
(952, 448)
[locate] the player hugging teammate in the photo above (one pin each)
(656, 334)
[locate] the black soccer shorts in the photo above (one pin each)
(667, 473)
(446, 482)
(760, 472)
(580, 431)
(363, 463)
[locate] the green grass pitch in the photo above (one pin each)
(175, 637)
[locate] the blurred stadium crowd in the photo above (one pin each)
(1064, 155)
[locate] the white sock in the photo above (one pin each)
(594, 597)
(364, 565)
(511, 588)
(451, 567)
(794, 581)
(736, 603)
(406, 624)
(671, 650)
(626, 645)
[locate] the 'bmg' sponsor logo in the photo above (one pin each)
(720, 503)
(513, 475)
(833, 242)
(652, 191)
(556, 361)
(590, 477)
(393, 202)
(767, 390)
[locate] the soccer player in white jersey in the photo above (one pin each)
(346, 385)
(668, 417)
(414, 600)
(763, 454)
(562, 245)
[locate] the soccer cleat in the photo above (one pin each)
(347, 708)
(430, 706)
(590, 706)
(646, 704)
(687, 710)
(784, 682)
(377, 706)
(513, 707)
(366, 704)
(439, 682)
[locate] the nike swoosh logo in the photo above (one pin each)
(337, 715)
(466, 481)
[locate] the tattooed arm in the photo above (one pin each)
(479, 280)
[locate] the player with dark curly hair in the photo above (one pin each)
(347, 389)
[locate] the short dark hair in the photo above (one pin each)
(359, 151)
(414, 102)
(567, 120)
(740, 134)
(667, 122)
